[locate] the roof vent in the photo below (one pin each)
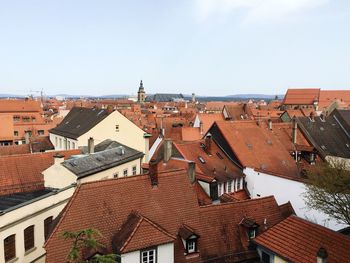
(201, 159)
(120, 150)
(249, 145)
(269, 142)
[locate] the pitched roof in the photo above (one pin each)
(14, 149)
(298, 240)
(99, 161)
(79, 121)
(164, 97)
(138, 232)
(105, 205)
(301, 96)
(22, 173)
(214, 164)
(326, 135)
(19, 106)
(257, 147)
(207, 119)
(329, 96)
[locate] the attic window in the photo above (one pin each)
(220, 156)
(201, 159)
(191, 245)
(117, 128)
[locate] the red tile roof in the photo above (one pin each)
(208, 119)
(19, 106)
(329, 96)
(257, 147)
(22, 173)
(298, 240)
(301, 96)
(105, 205)
(217, 165)
(14, 149)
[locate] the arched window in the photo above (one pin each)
(29, 238)
(10, 247)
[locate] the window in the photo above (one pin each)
(149, 256)
(265, 257)
(125, 172)
(16, 118)
(15, 133)
(26, 119)
(191, 246)
(73, 145)
(29, 238)
(10, 247)
(116, 128)
(68, 147)
(238, 183)
(60, 143)
(219, 155)
(229, 186)
(41, 132)
(47, 225)
(115, 175)
(251, 233)
(219, 189)
(201, 159)
(134, 170)
(56, 141)
(33, 119)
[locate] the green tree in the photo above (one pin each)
(86, 239)
(328, 190)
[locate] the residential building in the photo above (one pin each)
(298, 240)
(157, 218)
(100, 124)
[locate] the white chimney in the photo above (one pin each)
(91, 146)
(58, 158)
(167, 148)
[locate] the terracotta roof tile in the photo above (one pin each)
(298, 240)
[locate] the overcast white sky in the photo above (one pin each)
(210, 47)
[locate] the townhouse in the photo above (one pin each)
(157, 218)
(100, 124)
(274, 158)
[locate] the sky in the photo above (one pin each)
(206, 47)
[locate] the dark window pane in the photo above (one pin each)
(10, 247)
(28, 238)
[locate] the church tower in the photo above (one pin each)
(141, 95)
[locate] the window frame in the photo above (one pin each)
(47, 227)
(192, 241)
(29, 241)
(147, 250)
(13, 247)
(127, 172)
(134, 170)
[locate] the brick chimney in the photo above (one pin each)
(208, 142)
(167, 148)
(91, 145)
(191, 172)
(294, 130)
(153, 172)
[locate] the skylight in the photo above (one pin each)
(201, 159)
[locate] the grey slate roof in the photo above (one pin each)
(79, 121)
(103, 160)
(326, 136)
(104, 145)
(163, 97)
(12, 200)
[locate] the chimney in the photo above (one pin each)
(201, 128)
(153, 172)
(26, 137)
(109, 109)
(322, 255)
(269, 122)
(208, 143)
(191, 172)
(58, 158)
(294, 130)
(167, 148)
(91, 146)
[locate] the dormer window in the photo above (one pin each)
(191, 245)
(189, 239)
(250, 226)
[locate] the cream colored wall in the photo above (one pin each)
(64, 145)
(14, 222)
(109, 173)
(165, 253)
(58, 176)
(129, 134)
(279, 260)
